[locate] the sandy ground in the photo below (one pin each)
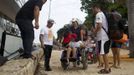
(127, 66)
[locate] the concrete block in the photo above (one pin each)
(22, 66)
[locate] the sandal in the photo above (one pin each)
(104, 71)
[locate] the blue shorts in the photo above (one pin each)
(116, 45)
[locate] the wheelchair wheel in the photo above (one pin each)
(64, 65)
(84, 56)
(94, 57)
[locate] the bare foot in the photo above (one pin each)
(117, 67)
(113, 66)
(100, 66)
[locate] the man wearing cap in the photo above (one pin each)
(46, 39)
(75, 28)
(24, 19)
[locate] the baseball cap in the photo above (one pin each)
(74, 19)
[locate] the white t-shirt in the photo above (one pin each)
(101, 18)
(48, 35)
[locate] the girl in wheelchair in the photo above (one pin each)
(71, 52)
(69, 46)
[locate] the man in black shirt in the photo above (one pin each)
(75, 29)
(24, 19)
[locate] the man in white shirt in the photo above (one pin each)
(101, 29)
(46, 39)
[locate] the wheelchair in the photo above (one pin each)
(81, 58)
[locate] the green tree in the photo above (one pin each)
(106, 5)
(86, 7)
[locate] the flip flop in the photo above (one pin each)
(104, 71)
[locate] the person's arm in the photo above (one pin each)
(41, 37)
(62, 39)
(98, 23)
(82, 34)
(37, 8)
(41, 40)
(36, 16)
(98, 27)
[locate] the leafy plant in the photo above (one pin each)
(120, 6)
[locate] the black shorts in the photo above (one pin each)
(106, 46)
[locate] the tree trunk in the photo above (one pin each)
(131, 26)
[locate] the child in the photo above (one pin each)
(73, 46)
(89, 46)
(65, 43)
(69, 44)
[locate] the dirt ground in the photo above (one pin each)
(127, 66)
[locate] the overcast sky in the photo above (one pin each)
(62, 11)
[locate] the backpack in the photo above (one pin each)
(114, 30)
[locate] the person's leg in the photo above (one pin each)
(106, 63)
(28, 39)
(105, 56)
(78, 56)
(68, 52)
(27, 43)
(105, 50)
(74, 52)
(106, 69)
(47, 55)
(118, 58)
(74, 56)
(27, 34)
(114, 52)
(100, 61)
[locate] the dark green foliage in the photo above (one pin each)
(105, 5)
